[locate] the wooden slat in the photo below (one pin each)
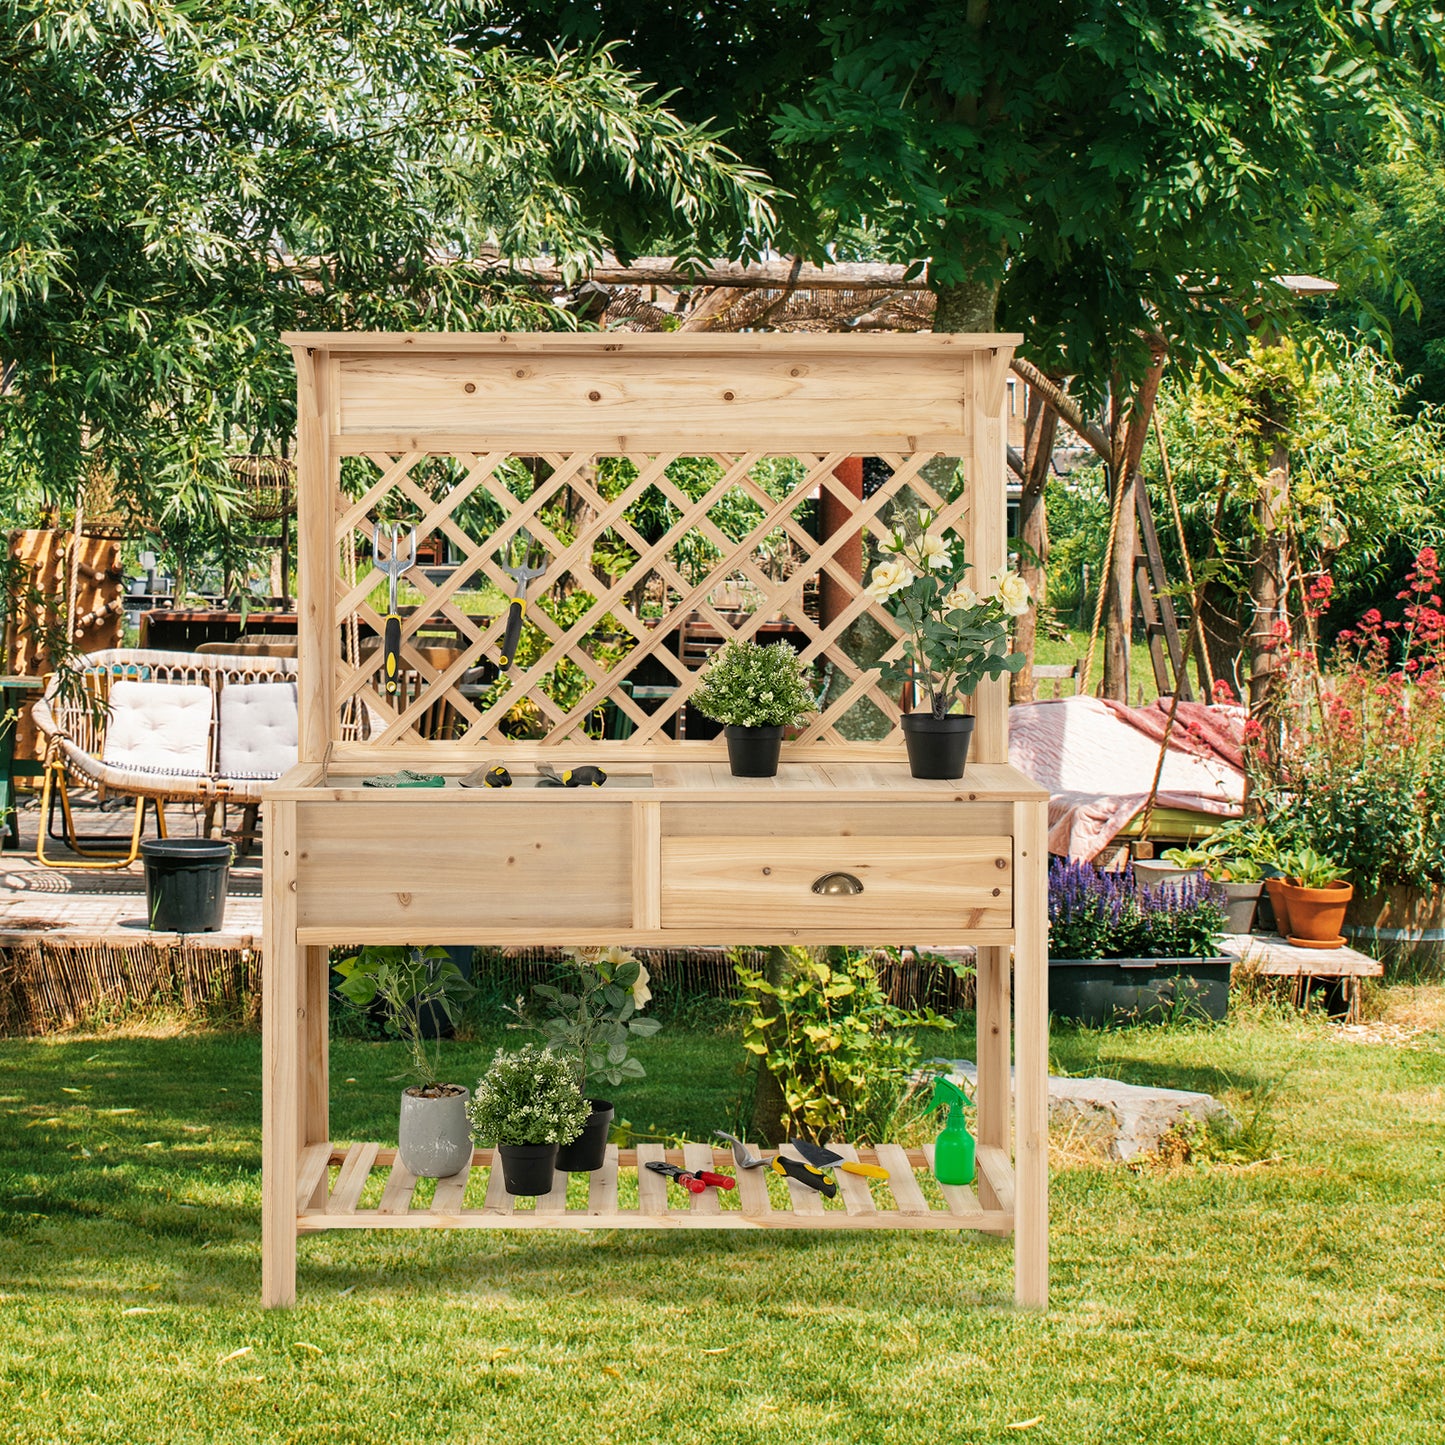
(805, 1200)
(352, 1179)
(602, 1185)
(695, 1157)
(651, 1187)
(497, 1200)
(555, 1200)
(959, 1197)
(906, 1193)
(311, 1174)
(450, 1191)
(753, 1190)
(400, 1185)
(994, 1165)
(853, 1189)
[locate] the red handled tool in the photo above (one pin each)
(690, 1182)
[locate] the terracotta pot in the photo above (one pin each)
(1274, 887)
(1316, 915)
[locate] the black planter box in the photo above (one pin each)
(1138, 990)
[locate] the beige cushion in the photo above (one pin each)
(159, 727)
(258, 729)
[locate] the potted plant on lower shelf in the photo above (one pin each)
(756, 693)
(418, 989)
(591, 1016)
(1313, 895)
(1122, 951)
(955, 635)
(527, 1104)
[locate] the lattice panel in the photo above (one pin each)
(651, 560)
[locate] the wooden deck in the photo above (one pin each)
(85, 906)
(1274, 957)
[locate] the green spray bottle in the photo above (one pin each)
(954, 1152)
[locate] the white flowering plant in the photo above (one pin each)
(527, 1097)
(956, 633)
(592, 1014)
(752, 686)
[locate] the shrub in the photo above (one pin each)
(527, 1097)
(752, 686)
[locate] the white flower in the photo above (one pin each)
(888, 578)
(640, 991)
(962, 596)
(1014, 595)
(931, 552)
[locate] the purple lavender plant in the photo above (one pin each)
(1093, 914)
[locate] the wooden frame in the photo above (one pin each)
(475, 437)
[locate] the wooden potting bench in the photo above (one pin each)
(733, 445)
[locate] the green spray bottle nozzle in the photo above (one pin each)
(953, 1154)
(945, 1094)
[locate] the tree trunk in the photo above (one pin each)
(966, 306)
(769, 1105)
(1039, 430)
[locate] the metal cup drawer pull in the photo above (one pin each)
(837, 883)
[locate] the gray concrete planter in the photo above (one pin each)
(434, 1139)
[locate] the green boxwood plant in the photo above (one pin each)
(529, 1096)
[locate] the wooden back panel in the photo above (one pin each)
(673, 485)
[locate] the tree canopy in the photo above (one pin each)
(180, 183)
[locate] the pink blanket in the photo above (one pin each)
(1098, 759)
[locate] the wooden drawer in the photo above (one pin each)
(741, 886)
(489, 869)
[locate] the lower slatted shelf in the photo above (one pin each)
(908, 1200)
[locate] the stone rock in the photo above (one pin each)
(1124, 1119)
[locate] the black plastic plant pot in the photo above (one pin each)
(1099, 991)
(528, 1168)
(588, 1150)
(937, 746)
(754, 752)
(186, 882)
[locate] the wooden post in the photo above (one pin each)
(316, 562)
(282, 1018)
(986, 537)
(1119, 623)
(992, 1048)
(1031, 991)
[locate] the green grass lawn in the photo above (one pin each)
(1296, 1294)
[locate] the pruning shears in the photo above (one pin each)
(693, 1182)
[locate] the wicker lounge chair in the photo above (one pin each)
(165, 727)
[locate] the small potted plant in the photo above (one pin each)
(1119, 950)
(1173, 865)
(755, 692)
(1243, 881)
(527, 1104)
(417, 989)
(590, 1016)
(1315, 897)
(954, 636)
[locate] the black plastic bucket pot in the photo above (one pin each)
(937, 746)
(588, 1150)
(754, 752)
(528, 1168)
(186, 883)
